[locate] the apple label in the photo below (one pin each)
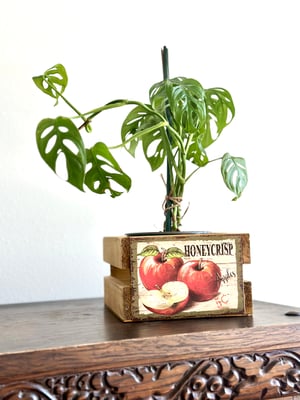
(170, 299)
(179, 277)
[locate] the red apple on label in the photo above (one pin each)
(170, 299)
(203, 278)
(158, 269)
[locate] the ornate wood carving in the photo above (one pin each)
(273, 373)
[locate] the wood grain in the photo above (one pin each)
(43, 344)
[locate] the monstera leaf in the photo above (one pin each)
(53, 82)
(60, 136)
(220, 112)
(184, 98)
(234, 174)
(180, 122)
(103, 170)
(96, 167)
(143, 125)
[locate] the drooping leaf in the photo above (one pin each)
(145, 126)
(196, 153)
(103, 171)
(154, 148)
(234, 174)
(193, 110)
(60, 135)
(53, 82)
(134, 122)
(220, 106)
(185, 99)
(220, 112)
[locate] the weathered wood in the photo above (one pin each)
(118, 298)
(116, 249)
(78, 349)
(124, 290)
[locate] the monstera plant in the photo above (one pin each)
(174, 130)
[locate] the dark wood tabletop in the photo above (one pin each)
(64, 338)
(81, 322)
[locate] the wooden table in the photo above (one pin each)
(79, 350)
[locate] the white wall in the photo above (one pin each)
(50, 233)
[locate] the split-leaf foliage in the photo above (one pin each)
(181, 120)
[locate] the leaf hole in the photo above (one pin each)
(61, 166)
(96, 185)
(63, 129)
(45, 84)
(71, 146)
(154, 150)
(109, 169)
(88, 166)
(46, 132)
(50, 144)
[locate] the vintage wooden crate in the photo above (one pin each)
(208, 267)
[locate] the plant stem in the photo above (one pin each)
(169, 203)
(66, 101)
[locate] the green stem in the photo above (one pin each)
(197, 169)
(169, 202)
(66, 101)
(139, 134)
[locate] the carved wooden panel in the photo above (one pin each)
(244, 376)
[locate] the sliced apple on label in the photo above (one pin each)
(170, 299)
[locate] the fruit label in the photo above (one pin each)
(188, 276)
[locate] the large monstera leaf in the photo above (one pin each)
(184, 98)
(60, 136)
(234, 174)
(193, 110)
(103, 170)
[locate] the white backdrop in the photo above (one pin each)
(50, 233)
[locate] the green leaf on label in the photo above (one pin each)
(150, 250)
(174, 252)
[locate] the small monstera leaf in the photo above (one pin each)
(53, 82)
(234, 174)
(60, 136)
(196, 153)
(102, 170)
(133, 123)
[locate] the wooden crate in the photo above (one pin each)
(125, 291)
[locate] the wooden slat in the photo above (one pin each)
(116, 249)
